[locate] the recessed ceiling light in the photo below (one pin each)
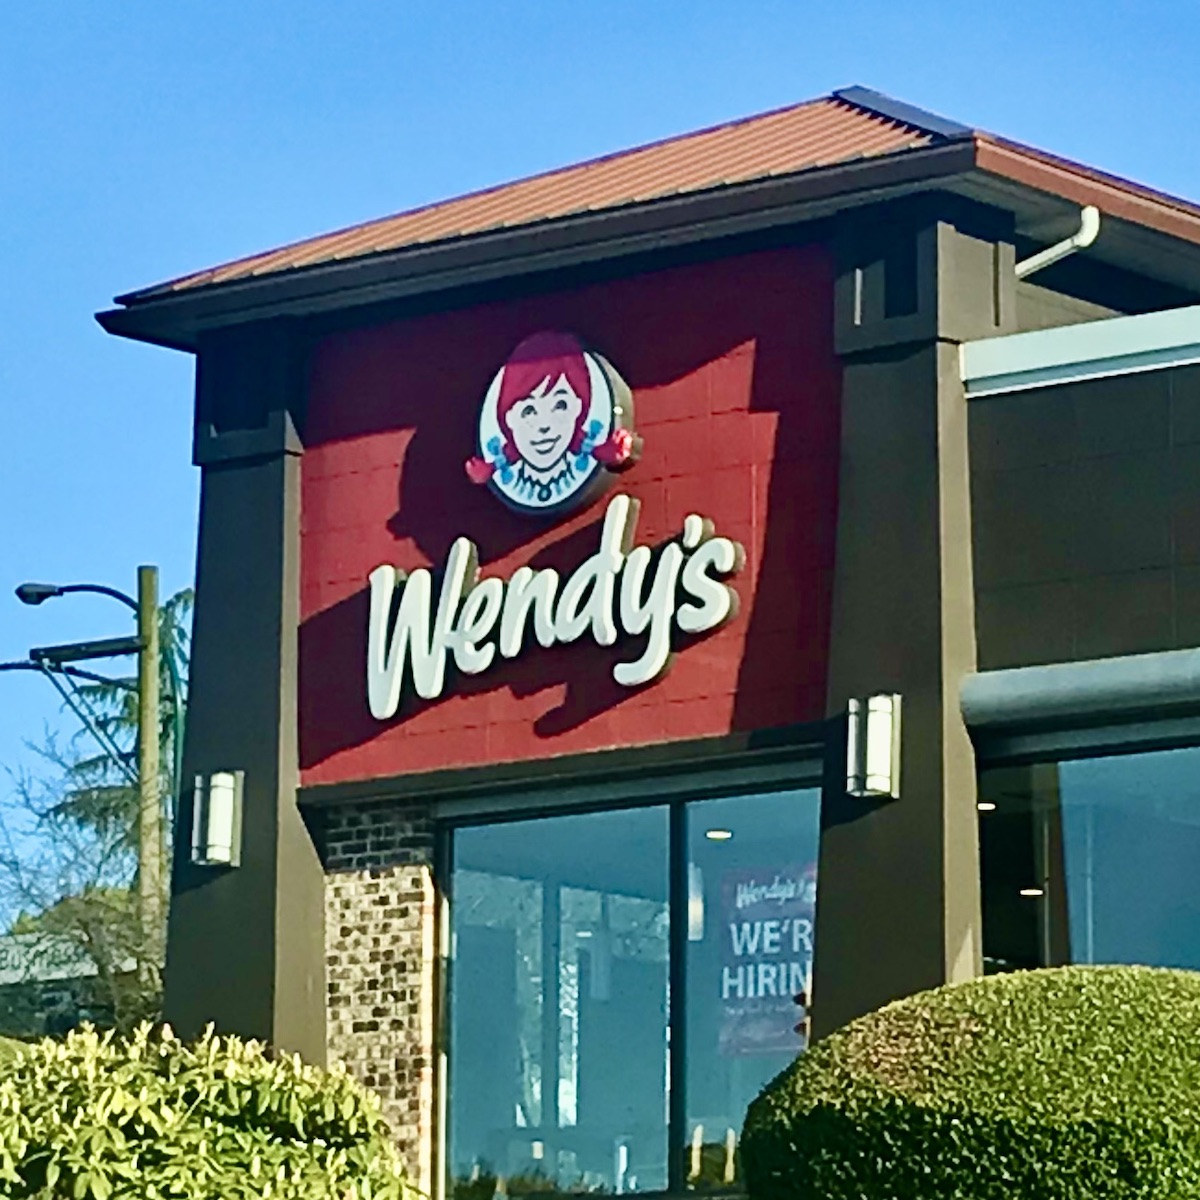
(718, 835)
(986, 806)
(1032, 892)
(583, 933)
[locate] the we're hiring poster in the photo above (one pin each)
(767, 919)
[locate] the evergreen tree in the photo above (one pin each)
(69, 834)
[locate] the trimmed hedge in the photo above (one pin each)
(149, 1117)
(1060, 1084)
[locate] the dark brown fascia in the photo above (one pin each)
(176, 319)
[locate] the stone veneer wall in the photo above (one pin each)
(380, 921)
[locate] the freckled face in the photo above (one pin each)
(543, 423)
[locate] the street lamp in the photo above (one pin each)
(39, 593)
(146, 645)
(35, 593)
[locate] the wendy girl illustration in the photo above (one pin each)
(556, 420)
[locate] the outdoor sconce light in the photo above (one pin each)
(217, 819)
(873, 747)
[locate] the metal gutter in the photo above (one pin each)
(1081, 239)
(1071, 354)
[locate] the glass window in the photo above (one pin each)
(558, 1064)
(1092, 861)
(752, 885)
(572, 935)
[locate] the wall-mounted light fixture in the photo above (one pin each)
(217, 819)
(873, 747)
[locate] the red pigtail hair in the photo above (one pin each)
(479, 470)
(618, 451)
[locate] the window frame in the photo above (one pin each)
(1053, 713)
(661, 776)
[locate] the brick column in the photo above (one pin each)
(380, 920)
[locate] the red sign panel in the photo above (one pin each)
(735, 386)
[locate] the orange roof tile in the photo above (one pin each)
(817, 133)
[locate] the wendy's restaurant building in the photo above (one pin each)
(759, 563)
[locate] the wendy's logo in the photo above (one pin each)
(556, 421)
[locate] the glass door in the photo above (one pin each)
(558, 1066)
(622, 986)
(751, 910)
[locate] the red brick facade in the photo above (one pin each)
(736, 390)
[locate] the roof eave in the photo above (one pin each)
(177, 319)
(1115, 197)
(1143, 229)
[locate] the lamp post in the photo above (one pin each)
(53, 659)
(150, 833)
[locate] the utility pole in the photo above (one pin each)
(54, 663)
(150, 838)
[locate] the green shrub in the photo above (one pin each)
(149, 1117)
(1077, 1083)
(9, 1049)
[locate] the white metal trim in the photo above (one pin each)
(1163, 681)
(1073, 353)
(1101, 706)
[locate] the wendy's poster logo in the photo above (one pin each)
(556, 422)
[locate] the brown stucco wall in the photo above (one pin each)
(1041, 307)
(1086, 501)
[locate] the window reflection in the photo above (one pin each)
(1092, 861)
(559, 1005)
(560, 1073)
(752, 874)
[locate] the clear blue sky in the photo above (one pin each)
(141, 139)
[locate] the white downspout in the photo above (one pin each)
(1089, 230)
